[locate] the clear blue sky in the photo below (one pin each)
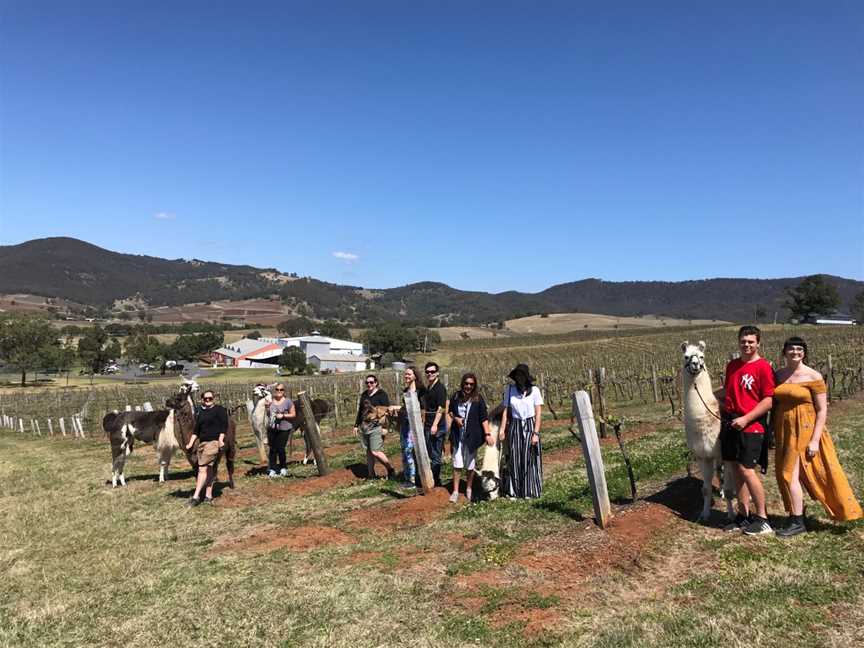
(488, 145)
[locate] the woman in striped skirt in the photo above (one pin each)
(520, 425)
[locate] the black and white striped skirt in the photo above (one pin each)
(524, 460)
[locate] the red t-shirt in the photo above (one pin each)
(746, 384)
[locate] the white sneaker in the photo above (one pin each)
(283, 472)
(271, 474)
(454, 497)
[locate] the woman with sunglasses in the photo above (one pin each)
(412, 382)
(520, 426)
(370, 432)
(805, 457)
(282, 413)
(468, 430)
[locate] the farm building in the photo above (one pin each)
(337, 362)
(323, 352)
(247, 353)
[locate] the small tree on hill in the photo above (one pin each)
(334, 329)
(293, 360)
(813, 295)
(296, 326)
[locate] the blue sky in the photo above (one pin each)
(488, 145)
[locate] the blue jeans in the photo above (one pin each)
(409, 468)
(435, 448)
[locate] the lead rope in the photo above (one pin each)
(698, 393)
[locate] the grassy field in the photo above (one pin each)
(343, 561)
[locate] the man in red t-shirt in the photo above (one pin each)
(749, 388)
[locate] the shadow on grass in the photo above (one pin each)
(683, 496)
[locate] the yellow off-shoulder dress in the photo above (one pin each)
(822, 477)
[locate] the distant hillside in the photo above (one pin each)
(87, 274)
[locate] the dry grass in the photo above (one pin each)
(87, 565)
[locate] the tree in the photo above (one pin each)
(390, 337)
(293, 360)
(254, 335)
(25, 341)
(143, 348)
(813, 295)
(858, 307)
(334, 329)
(93, 349)
(296, 326)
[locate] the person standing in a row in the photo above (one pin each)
(369, 429)
(282, 415)
(434, 404)
(805, 454)
(211, 425)
(469, 428)
(520, 426)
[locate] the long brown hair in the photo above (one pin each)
(418, 378)
(475, 394)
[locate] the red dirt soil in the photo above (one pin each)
(267, 539)
(255, 492)
(563, 565)
(402, 514)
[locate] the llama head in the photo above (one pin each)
(694, 357)
(260, 391)
(188, 387)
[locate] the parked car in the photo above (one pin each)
(111, 369)
(145, 367)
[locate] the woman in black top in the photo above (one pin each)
(367, 425)
(468, 431)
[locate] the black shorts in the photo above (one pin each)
(743, 447)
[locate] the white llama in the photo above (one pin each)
(702, 426)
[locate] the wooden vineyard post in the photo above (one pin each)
(50, 428)
(147, 407)
(583, 413)
(313, 435)
(335, 405)
(829, 379)
(415, 422)
(259, 442)
(62, 427)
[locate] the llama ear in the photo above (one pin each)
(701, 345)
(684, 345)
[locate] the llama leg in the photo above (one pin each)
(164, 462)
(707, 468)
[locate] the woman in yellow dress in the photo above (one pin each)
(805, 455)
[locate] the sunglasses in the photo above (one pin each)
(370, 382)
(468, 384)
(431, 371)
(278, 389)
(207, 398)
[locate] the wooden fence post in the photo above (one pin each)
(38, 431)
(50, 428)
(830, 378)
(147, 407)
(62, 427)
(415, 423)
(313, 435)
(335, 405)
(583, 413)
(262, 453)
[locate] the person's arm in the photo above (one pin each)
(538, 420)
(223, 420)
(359, 418)
(439, 408)
(762, 408)
(820, 403)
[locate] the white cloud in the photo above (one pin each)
(346, 256)
(164, 216)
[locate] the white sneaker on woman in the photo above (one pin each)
(454, 497)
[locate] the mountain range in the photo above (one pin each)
(80, 272)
